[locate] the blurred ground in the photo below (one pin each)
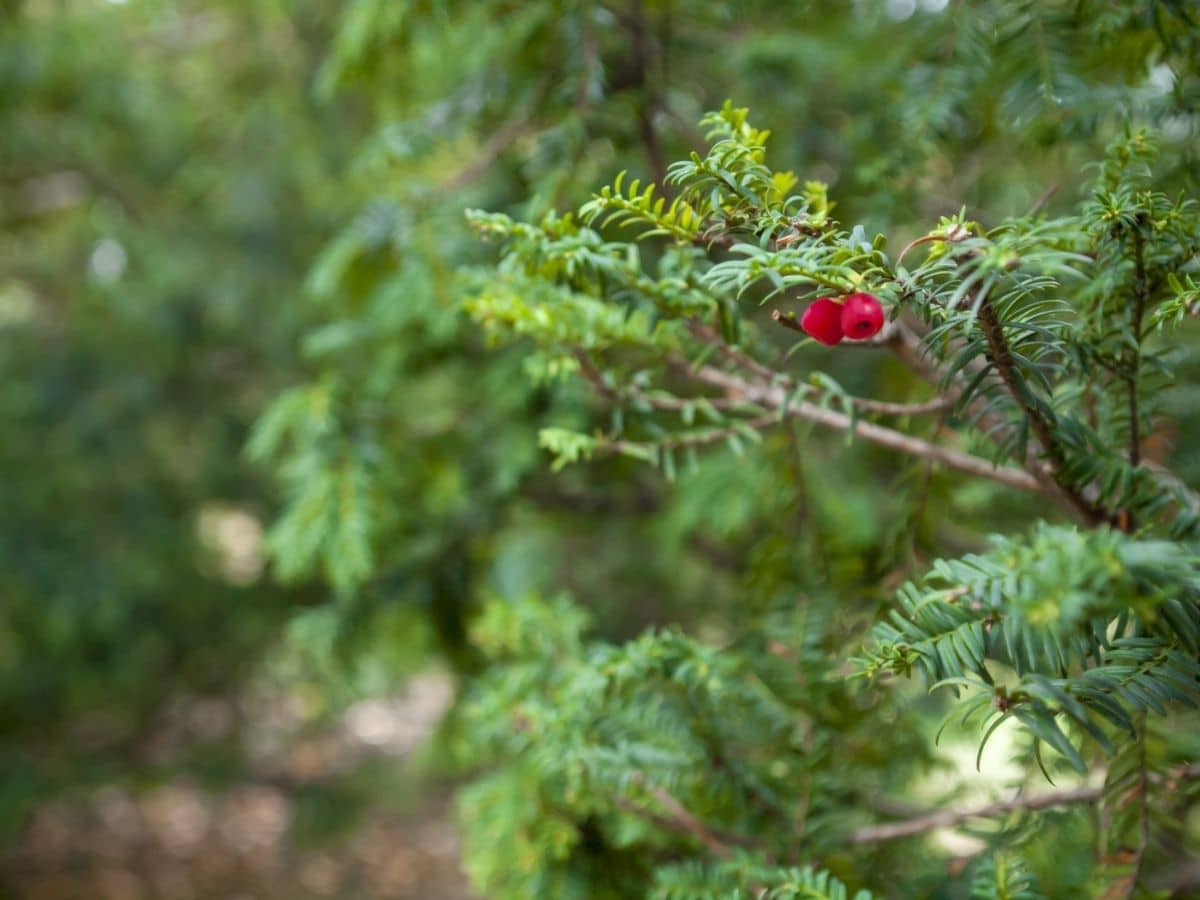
(176, 841)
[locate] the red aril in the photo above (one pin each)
(862, 317)
(823, 321)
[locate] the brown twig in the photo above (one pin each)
(592, 374)
(647, 73)
(953, 235)
(1143, 790)
(887, 408)
(501, 140)
(719, 239)
(900, 338)
(678, 404)
(865, 405)
(664, 403)
(874, 834)
(1044, 198)
(699, 438)
(917, 242)
(1132, 359)
(708, 335)
(1190, 772)
(776, 397)
(680, 820)
(1039, 422)
(1140, 298)
(787, 321)
(771, 391)
(674, 404)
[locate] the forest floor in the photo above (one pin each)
(265, 839)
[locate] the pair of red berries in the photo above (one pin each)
(857, 317)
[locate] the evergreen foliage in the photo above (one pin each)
(161, 182)
(807, 602)
(1045, 341)
(1033, 332)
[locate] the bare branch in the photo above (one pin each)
(874, 834)
(1039, 421)
(774, 391)
(1183, 773)
(901, 339)
(665, 403)
(1133, 361)
(678, 404)
(681, 821)
(787, 320)
(776, 397)
(1040, 203)
(881, 407)
(887, 408)
(592, 374)
(697, 438)
(708, 335)
(1143, 792)
(503, 138)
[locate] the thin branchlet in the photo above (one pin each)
(1040, 420)
(951, 818)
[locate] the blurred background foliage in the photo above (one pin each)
(166, 179)
(232, 255)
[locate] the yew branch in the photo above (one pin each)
(776, 397)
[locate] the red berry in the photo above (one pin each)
(823, 321)
(862, 316)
